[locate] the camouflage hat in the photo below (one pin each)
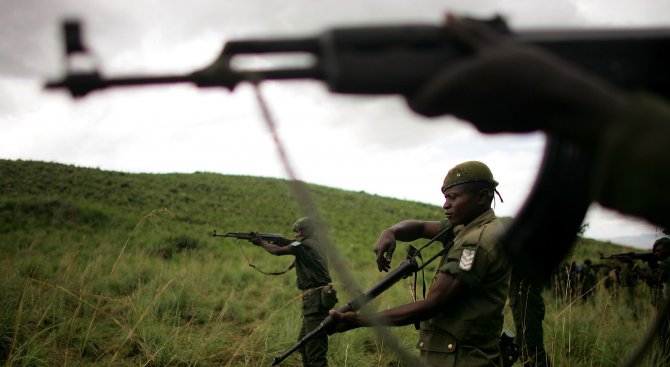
(303, 223)
(467, 172)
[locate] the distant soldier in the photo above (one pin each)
(614, 275)
(313, 279)
(661, 250)
(588, 281)
(527, 305)
(628, 279)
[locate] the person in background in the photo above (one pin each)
(313, 279)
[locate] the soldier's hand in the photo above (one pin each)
(345, 321)
(256, 239)
(384, 249)
(507, 86)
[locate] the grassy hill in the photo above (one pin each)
(111, 268)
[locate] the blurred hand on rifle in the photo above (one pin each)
(345, 321)
(508, 86)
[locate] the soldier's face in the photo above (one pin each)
(661, 252)
(300, 233)
(461, 205)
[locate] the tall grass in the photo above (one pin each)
(105, 268)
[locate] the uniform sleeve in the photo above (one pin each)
(468, 263)
(633, 161)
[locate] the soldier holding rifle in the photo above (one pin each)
(313, 279)
(462, 314)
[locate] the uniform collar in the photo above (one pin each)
(481, 220)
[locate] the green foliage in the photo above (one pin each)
(118, 269)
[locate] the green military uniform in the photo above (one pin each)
(664, 330)
(527, 304)
(468, 334)
(313, 279)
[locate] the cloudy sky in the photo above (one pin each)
(371, 144)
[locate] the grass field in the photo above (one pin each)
(109, 268)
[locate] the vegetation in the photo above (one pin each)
(111, 268)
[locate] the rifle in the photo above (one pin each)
(397, 59)
(406, 268)
(624, 256)
(275, 238)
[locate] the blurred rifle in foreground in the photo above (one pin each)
(397, 59)
(275, 238)
(625, 256)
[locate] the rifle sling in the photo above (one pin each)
(273, 272)
(265, 272)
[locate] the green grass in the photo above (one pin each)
(109, 268)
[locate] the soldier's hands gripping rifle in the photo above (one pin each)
(398, 59)
(275, 238)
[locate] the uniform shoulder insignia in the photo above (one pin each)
(467, 258)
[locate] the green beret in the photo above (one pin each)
(303, 223)
(467, 172)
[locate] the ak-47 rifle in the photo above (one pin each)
(398, 59)
(625, 256)
(406, 268)
(275, 238)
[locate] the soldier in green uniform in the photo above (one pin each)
(661, 250)
(527, 305)
(628, 281)
(313, 279)
(588, 281)
(462, 314)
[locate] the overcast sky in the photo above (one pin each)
(371, 144)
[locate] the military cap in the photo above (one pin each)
(303, 223)
(467, 172)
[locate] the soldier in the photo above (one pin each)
(588, 281)
(661, 250)
(313, 279)
(527, 305)
(462, 314)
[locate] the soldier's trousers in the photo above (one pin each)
(528, 312)
(314, 352)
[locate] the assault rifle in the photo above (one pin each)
(397, 59)
(406, 268)
(624, 256)
(275, 238)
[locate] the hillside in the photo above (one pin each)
(113, 268)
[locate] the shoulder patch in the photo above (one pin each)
(295, 243)
(467, 258)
